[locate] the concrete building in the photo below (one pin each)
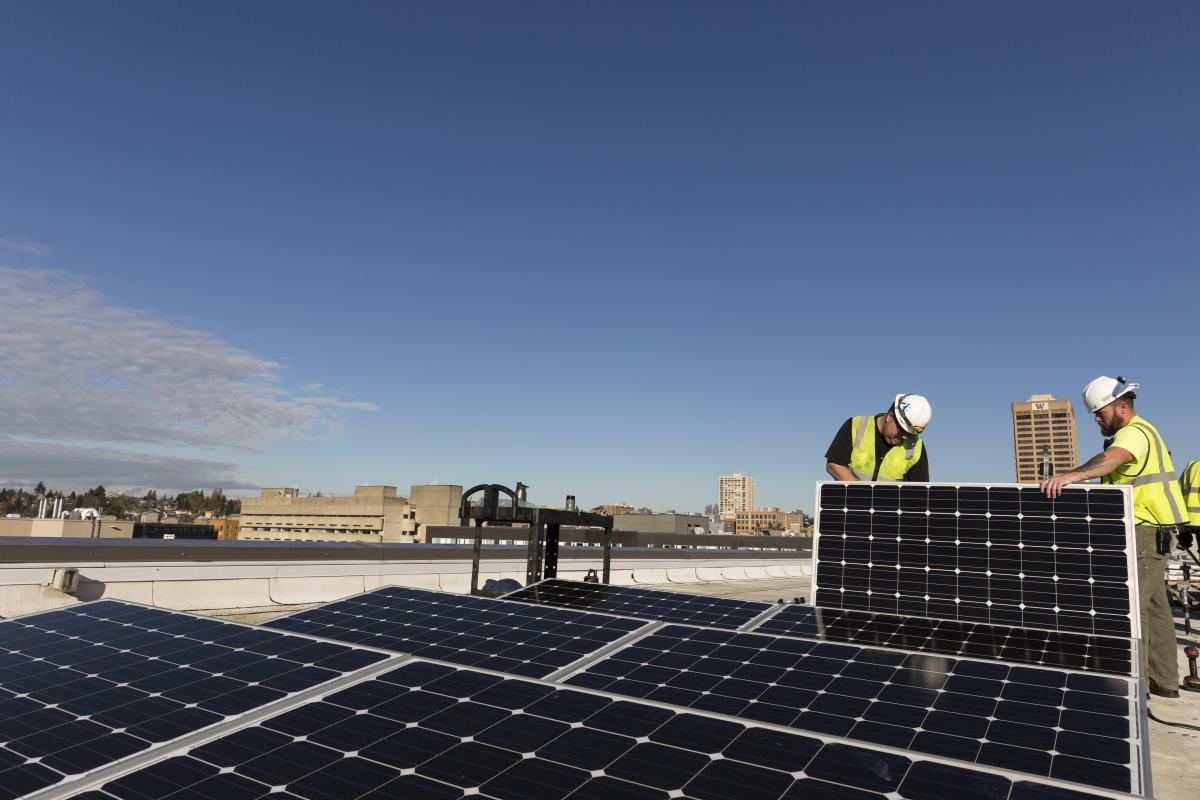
(372, 513)
(768, 519)
(661, 523)
(434, 504)
(613, 509)
(1038, 423)
(226, 527)
(109, 528)
(736, 494)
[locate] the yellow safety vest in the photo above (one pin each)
(1156, 496)
(1189, 486)
(896, 463)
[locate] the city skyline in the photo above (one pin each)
(245, 247)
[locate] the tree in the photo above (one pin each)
(41, 489)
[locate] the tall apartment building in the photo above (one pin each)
(1040, 422)
(736, 494)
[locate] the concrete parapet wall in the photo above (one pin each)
(223, 586)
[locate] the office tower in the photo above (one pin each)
(1039, 423)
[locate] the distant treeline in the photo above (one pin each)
(25, 503)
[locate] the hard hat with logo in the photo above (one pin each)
(1104, 390)
(912, 412)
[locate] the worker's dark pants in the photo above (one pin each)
(1158, 625)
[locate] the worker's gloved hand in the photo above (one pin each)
(1184, 536)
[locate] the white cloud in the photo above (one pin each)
(75, 367)
(26, 248)
(23, 464)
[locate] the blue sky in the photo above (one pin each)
(611, 249)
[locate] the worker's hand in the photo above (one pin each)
(1184, 537)
(1053, 486)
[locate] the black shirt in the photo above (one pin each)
(843, 444)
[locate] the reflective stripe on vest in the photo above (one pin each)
(860, 432)
(1189, 484)
(893, 467)
(1154, 490)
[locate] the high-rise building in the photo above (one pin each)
(1039, 423)
(737, 493)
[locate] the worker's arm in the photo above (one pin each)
(837, 457)
(1099, 465)
(839, 472)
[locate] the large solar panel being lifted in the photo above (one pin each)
(518, 638)
(1003, 555)
(87, 685)
(629, 601)
(949, 637)
(1072, 726)
(427, 730)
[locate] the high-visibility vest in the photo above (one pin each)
(896, 462)
(1189, 486)
(1156, 496)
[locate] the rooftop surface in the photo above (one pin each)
(1174, 752)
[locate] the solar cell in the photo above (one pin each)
(84, 686)
(517, 638)
(1073, 726)
(1002, 555)
(428, 730)
(1080, 651)
(629, 601)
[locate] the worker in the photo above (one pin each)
(1189, 486)
(883, 447)
(1135, 455)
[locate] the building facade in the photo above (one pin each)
(764, 520)
(1043, 425)
(613, 509)
(736, 494)
(372, 513)
(661, 523)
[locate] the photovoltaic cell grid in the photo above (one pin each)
(431, 731)
(1071, 726)
(628, 601)
(518, 638)
(1003, 555)
(1079, 651)
(85, 686)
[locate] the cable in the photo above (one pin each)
(1172, 724)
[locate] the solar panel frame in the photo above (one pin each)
(994, 601)
(130, 696)
(1101, 654)
(643, 669)
(617, 629)
(560, 593)
(707, 756)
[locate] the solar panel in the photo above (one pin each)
(1072, 726)
(629, 601)
(517, 638)
(1079, 651)
(87, 685)
(1002, 555)
(428, 730)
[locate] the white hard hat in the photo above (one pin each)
(1104, 390)
(912, 412)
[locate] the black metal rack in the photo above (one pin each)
(545, 524)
